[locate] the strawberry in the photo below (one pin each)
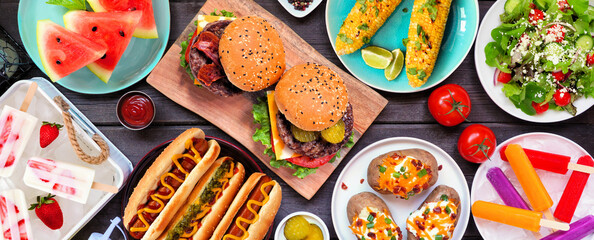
(49, 212)
(48, 133)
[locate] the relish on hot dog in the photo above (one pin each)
(205, 207)
(252, 211)
(167, 183)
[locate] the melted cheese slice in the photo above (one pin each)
(206, 19)
(280, 149)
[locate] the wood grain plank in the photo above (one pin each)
(233, 114)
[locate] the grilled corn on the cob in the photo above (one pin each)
(365, 18)
(427, 25)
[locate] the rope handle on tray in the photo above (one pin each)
(103, 155)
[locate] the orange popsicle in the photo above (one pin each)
(535, 191)
(512, 216)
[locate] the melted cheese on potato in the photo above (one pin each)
(434, 220)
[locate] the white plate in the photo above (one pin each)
(356, 169)
(553, 182)
(486, 74)
(297, 13)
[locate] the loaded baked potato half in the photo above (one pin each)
(437, 217)
(404, 173)
(371, 219)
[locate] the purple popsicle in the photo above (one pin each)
(505, 189)
(577, 230)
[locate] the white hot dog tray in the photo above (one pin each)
(114, 171)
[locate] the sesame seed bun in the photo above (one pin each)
(311, 96)
(252, 53)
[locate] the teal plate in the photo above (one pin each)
(138, 60)
(460, 32)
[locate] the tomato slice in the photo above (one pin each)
(190, 46)
(308, 162)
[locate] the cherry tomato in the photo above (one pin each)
(558, 31)
(477, 143)
(540, 108)
(449, 104)
(590, 59)
(504, 77)
(559, 76)
(563, 5)
(535, 15)
(562, 97)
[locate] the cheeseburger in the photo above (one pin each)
(230, 56)
(310, 116)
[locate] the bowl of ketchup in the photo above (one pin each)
(135, 110)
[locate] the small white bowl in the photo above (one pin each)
(297, 13)
(310, 217)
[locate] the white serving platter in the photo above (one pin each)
(114, 171)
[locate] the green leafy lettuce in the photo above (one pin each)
(223, 13)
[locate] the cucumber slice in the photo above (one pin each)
(541, 4)
(510, 5)
(585, 42)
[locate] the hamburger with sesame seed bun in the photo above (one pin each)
(310, 118)
(227, 56)
(252, 53)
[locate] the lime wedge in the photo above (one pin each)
(376, 57)
(395, 67)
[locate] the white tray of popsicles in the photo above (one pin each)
(29, 171)
(529, 178)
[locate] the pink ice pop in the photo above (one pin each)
(505, 189)
(577, 230)
(14, 215)
(63, 179)
(15, 129)
(573, 192)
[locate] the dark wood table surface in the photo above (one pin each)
(405, 115)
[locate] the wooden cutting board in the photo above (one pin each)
(233, 114)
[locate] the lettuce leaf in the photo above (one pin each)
(223, 13)
(519, 11)
(182, 58)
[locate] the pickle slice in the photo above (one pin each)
(302, 135)
(297, 228)
(315, 233)
(335, 133)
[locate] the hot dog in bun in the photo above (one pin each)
(252, 211)
(167, 183)
(206, 205)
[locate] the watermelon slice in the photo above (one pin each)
(62, 52)
(113, 29)
(146, 28)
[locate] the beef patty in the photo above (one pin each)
(197, 59)
(316, 148)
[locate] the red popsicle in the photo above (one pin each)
(573, 192)
(550, 162)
